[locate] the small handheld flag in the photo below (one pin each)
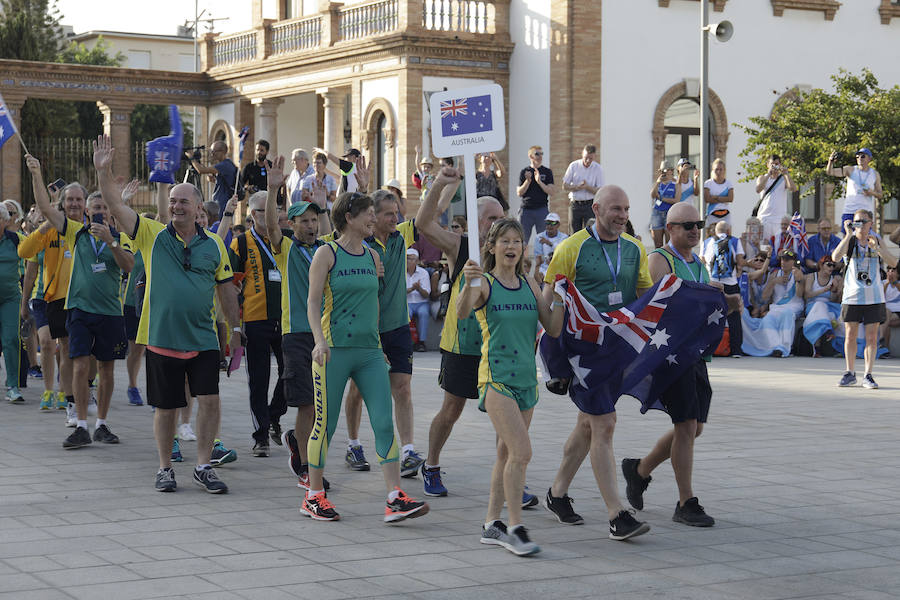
(7, 126)
(164, 153)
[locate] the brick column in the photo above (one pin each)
(11, 156)
(117, 125)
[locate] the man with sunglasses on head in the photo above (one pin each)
(863, 299)
(863, 184)
(185, 266)
(535, 188)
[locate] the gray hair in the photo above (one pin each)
(381, 196)
(92, 197)
(484, 201)
(4, 213)
(257, 200)
(73, 185)
(17, 206)
(299, 153)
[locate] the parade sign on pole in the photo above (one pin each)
(468, 121)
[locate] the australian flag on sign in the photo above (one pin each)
(638, 350)
(461, 116)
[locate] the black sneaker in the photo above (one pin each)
(635, 485)
(319, 508)
(558, 386)
(691, 513)
(165, 480)
(261, 450)
(275, 432)
(104, 435)
(294, 461)
(562, 508)
(78, 438)
(356, 459)
(209, 481)
(625, 526)
(403, 507)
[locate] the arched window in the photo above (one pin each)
(682, 125)
(381, 150)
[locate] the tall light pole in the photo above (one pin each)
(723, 32)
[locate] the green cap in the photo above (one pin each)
(299, 208)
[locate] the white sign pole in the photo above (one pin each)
(472, 211)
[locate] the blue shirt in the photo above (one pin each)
(225, 180)
(818, 249)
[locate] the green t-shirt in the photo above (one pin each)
(293, 260)
(9, 266)
(95, 279)
(393, 311)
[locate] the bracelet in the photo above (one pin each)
(231, 214)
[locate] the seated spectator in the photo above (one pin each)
(891, 303)
(821, 244)
(781, 242)
(418, 292)
(752, 238)
(823, 306)
(774, 333)
(758, 272)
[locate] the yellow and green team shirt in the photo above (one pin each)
(37, 290)
(393, 311)
(508, 321)
(460, 336)
(591, 263)
(95, 278)
(178, 313)
(57, 261)
(293, 259)
(350, 307)
(262, 280)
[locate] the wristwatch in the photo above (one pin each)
(114, 244)
(228, 214)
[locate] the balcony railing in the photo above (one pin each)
(239, 47)
(296, 35)
(470, 16)
(370, 19)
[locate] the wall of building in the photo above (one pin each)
(648, 48)
(389, 89)
(165, 54)
(297, 124)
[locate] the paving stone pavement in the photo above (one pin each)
(801, 476)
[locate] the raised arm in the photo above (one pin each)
(54, 217)
(448, 242)
(275, 177)
(162, 203)
(838, 253)
(103, 158)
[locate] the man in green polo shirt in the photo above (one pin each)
(185, 265)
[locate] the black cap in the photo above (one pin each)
(353, 152)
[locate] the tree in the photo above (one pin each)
(805, 128)
(90, 121)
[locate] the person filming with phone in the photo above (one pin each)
(863, 183)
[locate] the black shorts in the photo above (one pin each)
(397, 346)
(132, 320)
(297, 378)
(38, 309)
(102, 336)
(689, 396)
(863, 313)
(459, 374)
(165, 377)
(56, 318)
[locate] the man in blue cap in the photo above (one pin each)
(863, 184)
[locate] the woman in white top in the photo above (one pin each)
(718, 194)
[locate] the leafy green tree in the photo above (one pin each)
(90, 121)
(804, 128)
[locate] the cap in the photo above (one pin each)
(788, 254)
(552, 217)
(426, 161)
(865, 151)
(412, 252)
(353, 152)
(683, 161)
(666, 165)
(299, 208)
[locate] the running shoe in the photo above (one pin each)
(319, 508)
(869, 382)
(433, 485)
(562, 508)
(261, 449)
(165, 480)
(208, 480)
(691, 513)
(77, 439)
(625, 526)
(528, 499)
(103, 435)
(847, 380)
(403, 507)
(47, 399)
(518, 542)
(635, 485)
(71, 415)
(186, 434)
(495, 535)
(275, 432)
(411, 464)
(35, 372)
(221, 455)
(61, 402)
(295, 463)
(14, 396)
(134, 397)
(303, 481)
(176, 451)
(356, 459)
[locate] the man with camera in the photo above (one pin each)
(773, 187)
(223, 172)
(253, 177)
(863, 183)
(863, 300)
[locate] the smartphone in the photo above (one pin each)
(57, 185)
(97, 218)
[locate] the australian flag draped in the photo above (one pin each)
(638, 350)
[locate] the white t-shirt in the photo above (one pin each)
(710, 249)
(546, 252)
(716, 190)
(857, 183)
(774, 204)
(420, 275)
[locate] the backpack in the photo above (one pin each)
(723, 265)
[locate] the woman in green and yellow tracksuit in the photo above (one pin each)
(345, 275)
(508, 305)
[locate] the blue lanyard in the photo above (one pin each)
(265, 248)
(94, 244)
(615, 274)
(684, 262)
(303, 250)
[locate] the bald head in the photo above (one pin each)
(219, 146)
(610, 210)
(682, 212)
(608, 194)
(186, 190)
(723, 228)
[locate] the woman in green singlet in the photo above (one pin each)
(345, 328)
(508, 306)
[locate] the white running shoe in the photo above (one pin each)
(186, 434)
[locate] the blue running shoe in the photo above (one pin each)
(35, 372)
(221, 455)
(433, 484)
(134, 397)
(176, 451)
(528, 500)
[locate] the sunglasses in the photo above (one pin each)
(186, 258)
(551, 222)
(829, 264)
(538, 153)
(688, 225)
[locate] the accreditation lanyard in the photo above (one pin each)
(264, 248)
(303, 250)
(94, 245)
(684, 262)
(613, 273)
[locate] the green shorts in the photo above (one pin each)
(525, 397)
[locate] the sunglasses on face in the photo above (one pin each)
(688, 225)
(551, 222)
(538, 153)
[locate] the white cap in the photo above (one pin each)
(412, 252)
(552, 217)
(393, 183)
(425, 160)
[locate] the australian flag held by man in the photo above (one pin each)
(640, 349)
(461, 116)
(7, 126)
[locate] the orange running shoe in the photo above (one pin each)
(319, 508)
